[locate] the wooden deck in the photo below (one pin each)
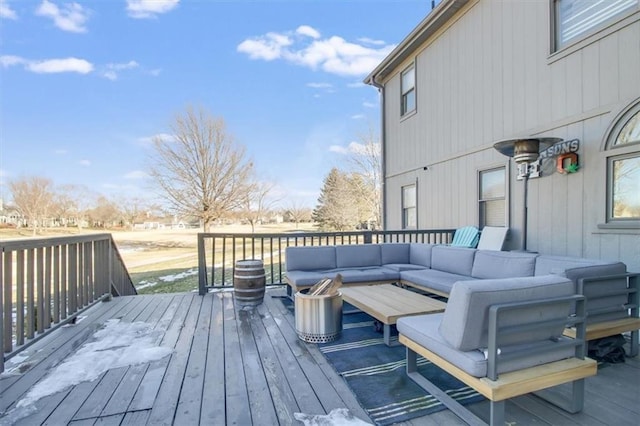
(244, 367)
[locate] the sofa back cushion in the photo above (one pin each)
(358, 255)
(394, 253)
(310, 258)
(456, 260)
(466, 318)
(503, 264)
(420, 254)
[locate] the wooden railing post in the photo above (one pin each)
(4, 323)
(202, 266)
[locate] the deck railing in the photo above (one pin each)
(47, 282)
(218, 252)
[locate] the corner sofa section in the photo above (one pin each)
(433, 268)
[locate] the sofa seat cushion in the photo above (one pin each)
(433, 279)
(404, 267)
(349, 275)
(353, 275)
(310, 258)
(466, 317)
(503, 264)
(358, 255)
(423, 329)
(456, 260)
(307, 278)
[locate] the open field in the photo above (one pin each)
(159, 260)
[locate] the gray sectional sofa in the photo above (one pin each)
(433, 268)
(612, 294)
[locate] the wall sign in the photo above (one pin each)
(561, 157)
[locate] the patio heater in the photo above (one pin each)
(524, 151)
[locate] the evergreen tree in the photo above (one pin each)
(338, 207)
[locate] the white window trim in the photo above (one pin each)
(403, 113)
(618, 152)
(507, 173)
(607, 28)
(403, 208)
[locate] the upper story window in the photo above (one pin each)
(623, 170)
(409, 207)
(492, 192)
(408, 89)
(575, 18)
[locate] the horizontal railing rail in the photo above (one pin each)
(47, 282)
(218, 252)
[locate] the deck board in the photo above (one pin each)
(233, 366)
(213, 395)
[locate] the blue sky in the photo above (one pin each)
(85, 85)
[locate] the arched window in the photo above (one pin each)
(623, 169)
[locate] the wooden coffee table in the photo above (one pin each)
(387, 303)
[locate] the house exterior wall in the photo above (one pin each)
(488, 75)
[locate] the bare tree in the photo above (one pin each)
(33, 198)
(256, 203)
(132, 210)
(202, 171)
(71, 203)
(366, 161)
(296, 212)
(105, 214)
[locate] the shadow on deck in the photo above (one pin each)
(244, 367)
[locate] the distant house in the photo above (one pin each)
(475, 72)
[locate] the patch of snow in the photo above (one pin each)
(337, 417)
(13, 365)
(117, 344)
(168, 278)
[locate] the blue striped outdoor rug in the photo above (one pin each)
(376, 374)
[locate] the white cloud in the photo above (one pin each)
(49, 66)
(356, 85)
(339, 149)
(60, 151)
(142, 9)
(334, 55)
(136, 174)
(156, 72)
(71, 17)
(268, 47)
(9, 60)
(113, 69)
(6, 12)
(358, 116)
(353, 148)
(320, 85)
(85, 163)
(148, 140)
(370, 104)
(367, 40)
(308, 31)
